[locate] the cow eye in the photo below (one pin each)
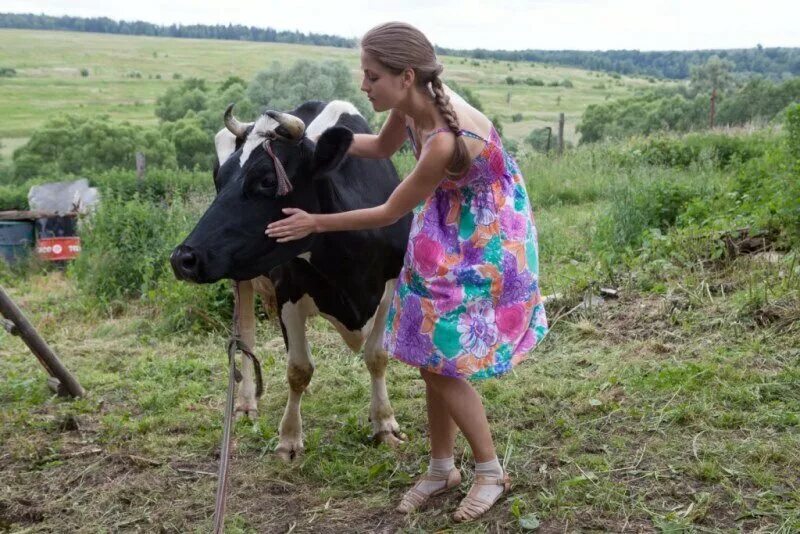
(267, 186)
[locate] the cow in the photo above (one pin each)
(346, 277)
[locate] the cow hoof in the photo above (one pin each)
(242, 413)
(392, 438)
(288, 453)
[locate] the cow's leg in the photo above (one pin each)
(246, 402)
(298, 373)
(384, 426)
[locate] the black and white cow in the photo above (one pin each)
(347, 277)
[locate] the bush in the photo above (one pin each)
(709, 149)
(158, 185)
(14, 197)
(191, 95)
(682, 215)
(84, 72)
(231, 80)
(516, 117)
(758, 99)
(652, 200)
(194, 146)
(283, 88)
(678, 110)
(567, 84)
(126, 247)
(69, 144)
(7, 72)
(538, 139)
(534, 82)
(644, 114)
(510, 80)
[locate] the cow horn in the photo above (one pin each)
(239, 129)
(293, 125)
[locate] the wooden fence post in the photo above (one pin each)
(62, 382)
(560, 133)
(141, 166)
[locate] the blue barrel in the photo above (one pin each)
(16, 240)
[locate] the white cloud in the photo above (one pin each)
(509, 24)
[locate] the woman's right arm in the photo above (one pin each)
(386, 143)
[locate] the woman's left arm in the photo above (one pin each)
(419, 185)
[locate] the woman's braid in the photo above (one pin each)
(461, 160)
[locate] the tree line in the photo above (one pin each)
(235, 32)
(773, 63)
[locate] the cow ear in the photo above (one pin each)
(331, 149)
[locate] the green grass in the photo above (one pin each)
(641, 413)
(673, 409)
(48, 80)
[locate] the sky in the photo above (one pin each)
(498, 24)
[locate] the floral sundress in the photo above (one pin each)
(467, 301)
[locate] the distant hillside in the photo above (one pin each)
(29, 21)
(774, 63)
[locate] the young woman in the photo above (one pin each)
(467, 304)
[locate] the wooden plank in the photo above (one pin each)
(31, 215)
(39, 347)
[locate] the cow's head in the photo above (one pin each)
(264, 167)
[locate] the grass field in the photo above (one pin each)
(49, 80)
(674, 408)
(671, 409)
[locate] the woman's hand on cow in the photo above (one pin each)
(296, 226)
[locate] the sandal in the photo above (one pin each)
(415, 498)
(472, 507)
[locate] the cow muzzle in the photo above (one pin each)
(185, 263)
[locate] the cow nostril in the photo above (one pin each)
(188, 261)
(184, 262)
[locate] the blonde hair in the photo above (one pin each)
(398, 46)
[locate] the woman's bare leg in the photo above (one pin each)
(441, 470)
(465, 408)
(441, 426)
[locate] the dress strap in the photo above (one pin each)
(466, 133)
(473, 135)
(439, 130)
(463, 132)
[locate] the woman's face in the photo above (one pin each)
(384, 89)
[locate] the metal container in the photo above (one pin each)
(56, 238)
(16, 240)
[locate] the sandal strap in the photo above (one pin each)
(483, 480)
(414, 497)
(472, 506)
